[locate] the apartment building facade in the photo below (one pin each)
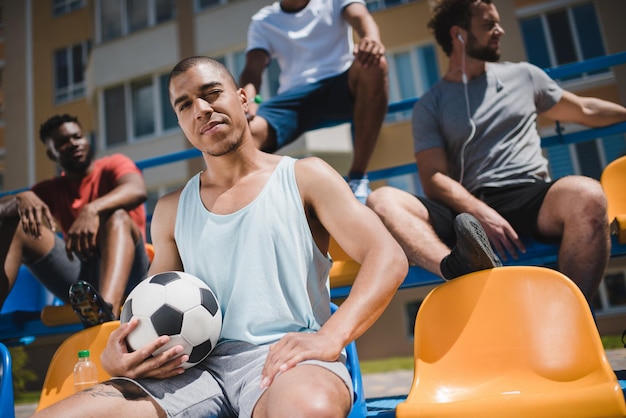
(107, 62)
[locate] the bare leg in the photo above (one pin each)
(305, 391)
(575, 208)
(16, 247)
(264, 137)
(105, 400)
(407, 220)
(116, 238)
(371, 94)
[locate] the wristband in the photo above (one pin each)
(258, 99)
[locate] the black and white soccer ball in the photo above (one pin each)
(177, 304)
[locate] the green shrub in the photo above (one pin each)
(21, 374)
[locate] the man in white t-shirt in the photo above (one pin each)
(324, 75)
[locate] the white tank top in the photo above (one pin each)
(261, 261)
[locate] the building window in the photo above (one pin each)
(115, 116)
(165, 10)
(168, 116)
(60, 7)
(2, 168)
(142, 97)
(269, 84)
(137, 12)
(110, 18)
(69, 68)
(121, 17)
(1, 92)
(410, 310)
(206, 4)
(611, 295)
(137, 110)
(411, 73)
(585, 158)
(374, 5)
(561, 36)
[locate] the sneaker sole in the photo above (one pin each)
(88, 305)
(469, 230)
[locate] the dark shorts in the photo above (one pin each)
(57, 272)
(519, 205)
(225, 384)
(298, 110)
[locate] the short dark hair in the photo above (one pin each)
(46, 130)
(191, 62)
(448, 13)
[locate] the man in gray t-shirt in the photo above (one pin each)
(478, 151)
(505, 148)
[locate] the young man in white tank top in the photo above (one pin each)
(252, 370)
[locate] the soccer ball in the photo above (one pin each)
(177, 304)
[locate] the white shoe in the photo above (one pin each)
(360, 188)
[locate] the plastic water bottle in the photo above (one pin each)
(85, 372)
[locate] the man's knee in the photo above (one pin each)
(378, 200)
(119, 218)
(306, 400)
(590, 195)
(375, 74)
(579, 199)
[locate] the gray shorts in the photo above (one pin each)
(225, 384)
(57, 272)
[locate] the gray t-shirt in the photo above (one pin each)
(504, 103)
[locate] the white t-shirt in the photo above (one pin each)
(310, 45)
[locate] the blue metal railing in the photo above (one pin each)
(407, 104)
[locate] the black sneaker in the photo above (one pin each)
(472, 252)
(89, 305)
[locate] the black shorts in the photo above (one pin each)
(518, 204)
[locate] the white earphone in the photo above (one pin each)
(469, 116)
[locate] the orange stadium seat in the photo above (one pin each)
(613, 182)
(510, 342)
(59, 381)
(344, 268)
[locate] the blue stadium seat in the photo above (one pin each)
(6, 384)
(359, 408)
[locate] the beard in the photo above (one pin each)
(225, 149)
(482, 53)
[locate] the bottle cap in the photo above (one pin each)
(83, 353)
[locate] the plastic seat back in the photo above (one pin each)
(59, 381)
(613, 182)
(359, 407)
(7, 405)
(510, 342)
(344, 268)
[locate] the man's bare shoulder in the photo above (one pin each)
(317, 178)
(313, 167)
(169, 201)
